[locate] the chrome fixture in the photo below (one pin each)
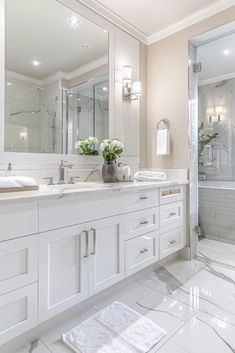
(71, 180)
(62, 168)
(26, 112)
(131, 90)
(50, 180)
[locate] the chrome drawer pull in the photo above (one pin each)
(172, 242)
(144, 222)
(143, 197)
(87, 245)
(172, 214)
(94, 241)
(143, 251)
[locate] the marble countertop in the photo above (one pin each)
(91, 188)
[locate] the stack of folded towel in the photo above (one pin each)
(146, 175)
(10, 182)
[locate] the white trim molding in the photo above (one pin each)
(118, 21)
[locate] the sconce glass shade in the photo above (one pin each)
(210, 111)
(137, 88)
(127, 74)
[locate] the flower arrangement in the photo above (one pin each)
(111, 150)
(88, 146)
(203, 140)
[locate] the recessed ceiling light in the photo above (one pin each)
(85, 45)
(79, 99)
(74, 21)
(105, 88)
(105, 30)
(36, 63)
(8, 83)
(227, 51)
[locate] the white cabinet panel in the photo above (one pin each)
(142, 252)
(62, 270)
(106, 249)
(171, 241)
(18, 219)
(171, 214)
(18, 263)
(142, 222)
(18, 312)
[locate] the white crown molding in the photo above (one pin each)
(191, 20)
(216, 79)
(111, 16)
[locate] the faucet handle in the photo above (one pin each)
(71, 180)
(50, 180)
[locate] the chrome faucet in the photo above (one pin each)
(62, 168)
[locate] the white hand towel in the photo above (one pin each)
(149, 176)
(138, 331)
(163, 142)
(16, 182)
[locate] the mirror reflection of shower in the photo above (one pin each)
(88, 111)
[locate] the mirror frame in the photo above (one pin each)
(90, 15)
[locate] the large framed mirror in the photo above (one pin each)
(56, 78)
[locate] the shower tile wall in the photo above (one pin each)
(221, 94)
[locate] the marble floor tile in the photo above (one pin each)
(218, 251)
(202, 334)
(166, 312)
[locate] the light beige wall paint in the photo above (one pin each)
(143, 106)
(168, 89)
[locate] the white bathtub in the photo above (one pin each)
(217, 184)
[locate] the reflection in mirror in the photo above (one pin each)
(57, 81)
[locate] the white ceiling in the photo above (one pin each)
(215, 63)
(154, 19)
(38, 30)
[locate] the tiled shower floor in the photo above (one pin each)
(217, 251)
(193, 301)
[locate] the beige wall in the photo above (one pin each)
(168, 89)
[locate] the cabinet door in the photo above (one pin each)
(106, 253)
(63, 270)
(18, 312)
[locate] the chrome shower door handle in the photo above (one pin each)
(94, 240)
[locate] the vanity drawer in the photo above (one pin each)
(171, 214)
(171, 194)
(18, 312)
(141, 252)
(18, 220)
(171, 241)
(142, 199)
(142, 222)
(18, 263)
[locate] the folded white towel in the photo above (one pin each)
(16, 182)
(138, 331)
(163, 142)
(149, 176)
(115, 329)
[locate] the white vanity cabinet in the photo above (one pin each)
(79, 261)
(56, 252)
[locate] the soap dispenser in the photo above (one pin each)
(120, 172)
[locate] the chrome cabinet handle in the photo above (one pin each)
(172, 242)
(143, 197)
(144, 222)
(172, 214)
(87, 244)
(143, 251)
(94, 241)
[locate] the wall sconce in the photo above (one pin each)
(130, 90)
(23, 135)
(219, 111)
(210, 112)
